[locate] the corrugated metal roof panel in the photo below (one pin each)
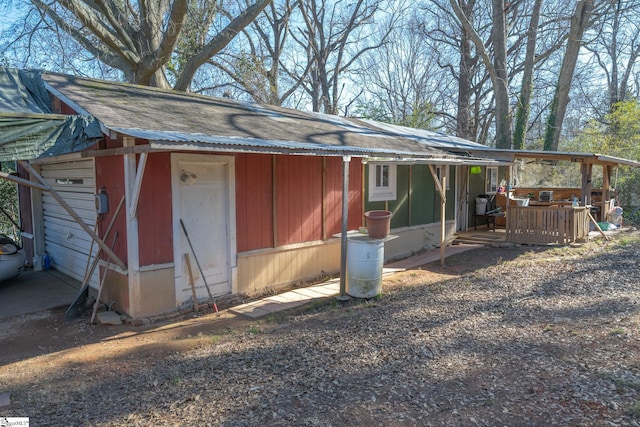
(429, 137)
(203, 142)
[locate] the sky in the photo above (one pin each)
(7, 17)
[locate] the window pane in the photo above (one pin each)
(382, 176)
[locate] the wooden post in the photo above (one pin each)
(443, 200)
(443, 213)
(191, 283)
(606, 192)
(133, 238)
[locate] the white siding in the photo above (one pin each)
(65, 241)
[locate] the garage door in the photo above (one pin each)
(65, 241)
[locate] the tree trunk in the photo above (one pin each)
(465, 124)
(579, 22)
(524, 102)
(496, 66)
(501, 80)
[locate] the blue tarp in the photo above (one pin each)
(28, 126)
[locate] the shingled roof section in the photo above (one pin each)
(186, 118)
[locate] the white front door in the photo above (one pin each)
(201, 200)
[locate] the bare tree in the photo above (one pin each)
(261, 63)
(579, 23)
(495, 63)
(524, 101)
(453, 50)
(617, 48)
(334, 34)
(143, 38)
(407, 88)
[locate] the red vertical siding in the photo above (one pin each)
(155, 211)
(298, 199)
(254, 201)
(355, 194)
(65, 109)
(154, 207)
(110, 175)
(333, 195)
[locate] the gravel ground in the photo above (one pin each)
(541, 337)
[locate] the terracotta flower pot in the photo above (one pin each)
(378, 223)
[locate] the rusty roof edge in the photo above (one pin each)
(203, 142)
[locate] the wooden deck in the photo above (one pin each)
(543, 225)
(534, 225)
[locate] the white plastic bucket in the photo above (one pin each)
(481, 205)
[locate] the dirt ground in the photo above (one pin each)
(46, 332)
(499, 336)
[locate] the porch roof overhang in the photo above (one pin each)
(182, 141)
(576, 157)
(458, 160)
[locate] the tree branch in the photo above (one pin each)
(218, 43)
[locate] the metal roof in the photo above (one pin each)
(178, 120)
(433, 138)
(568, 156)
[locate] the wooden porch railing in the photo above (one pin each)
(542, 225)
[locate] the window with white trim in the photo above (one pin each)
(382, 182)
(491, 180)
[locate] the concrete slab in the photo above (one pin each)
(274, 307)
(283, 298)
(251, 311)
(34, 291)
(428, 257)
(308, 293)
(328, 290)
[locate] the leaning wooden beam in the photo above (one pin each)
(23, 181)
(138, 185)
(89, 271)
(593, 220)
(84, 289)
(101, 286)
(74, 215)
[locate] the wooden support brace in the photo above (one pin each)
(74, 215)
(597, 226)
(23, 181)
